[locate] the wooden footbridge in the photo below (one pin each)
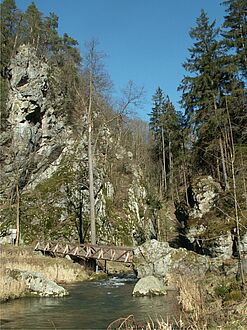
(87, 251)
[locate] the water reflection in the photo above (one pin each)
(91, 305)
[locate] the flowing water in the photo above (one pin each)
(90, 305)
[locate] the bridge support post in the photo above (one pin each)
(105, 269)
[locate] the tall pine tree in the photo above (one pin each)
(235, 33)
(202, 97)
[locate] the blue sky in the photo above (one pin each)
(145, 40)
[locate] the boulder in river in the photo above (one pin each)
(149, 286)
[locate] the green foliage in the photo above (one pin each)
(9, 20)
(153, 202)
(3, 99)
(222, 290)
(235, 34)
(32, 26)
(166, 130)
(214, 93)
(201, 87)
(229, 291)
(214, 97)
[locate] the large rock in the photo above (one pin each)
(159, 259)
(38, 284)
(149, 286)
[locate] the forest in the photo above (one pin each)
(77, 165)
(206, 137)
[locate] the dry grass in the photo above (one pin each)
(129, 323)
(160, 324)
(10, 288)
(24, 259)
(206, 304)
(191, 298)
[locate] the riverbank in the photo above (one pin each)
(211, 293)
(212, 301)
(207, 302)
(13, 258)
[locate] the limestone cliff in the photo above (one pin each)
(43, 157)
(207, 225)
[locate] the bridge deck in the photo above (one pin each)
(90, 251)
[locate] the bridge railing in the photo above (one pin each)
(90, 251)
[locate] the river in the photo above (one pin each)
(90, 305)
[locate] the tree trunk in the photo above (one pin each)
(237, 222)
(244, 180)
(218, 169)
(90, 163)
(235, 200)
(223, 165)
(185, 187)
(91, 185)
(164, 159)
(81, 227)
(177, 193)
(184, 166)
(221, 148)
(171, 170)
(17, 242)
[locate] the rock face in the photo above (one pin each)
(149, 286)
(36, 134)
(205, 232)
(220, 246)
(40, 154)
(203, 193)
(158, 259)
(244, 243)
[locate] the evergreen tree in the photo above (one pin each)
(52, 40)
(33, 26)
(203, 92)
(234, 42)
(199, 87)
(155, 115)
(9, 19)
(235, 34)
(157, 131)
(165, 128)
(171, 127)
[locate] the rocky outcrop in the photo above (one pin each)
(243, 242)
(158, 259)
(149, 286)
(220, 246)
(206, 231)
(203, 194)
(36, 135)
